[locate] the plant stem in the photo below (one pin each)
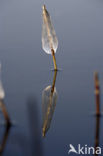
(4, 111)
(97, 93)
(54, 59)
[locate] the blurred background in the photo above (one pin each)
(26, 72)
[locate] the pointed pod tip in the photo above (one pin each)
(44, 7)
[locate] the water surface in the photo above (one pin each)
(26, 71)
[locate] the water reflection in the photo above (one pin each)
(4, 140)
(49, 99)
(36, 143)
(6, 116)
(97, 132)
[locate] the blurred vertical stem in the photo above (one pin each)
(4, 111)
(97, 93)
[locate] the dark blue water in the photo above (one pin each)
(26, 71)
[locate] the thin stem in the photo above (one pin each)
(97, 93)
(5, 113)
(54, 80)
(54, 59)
